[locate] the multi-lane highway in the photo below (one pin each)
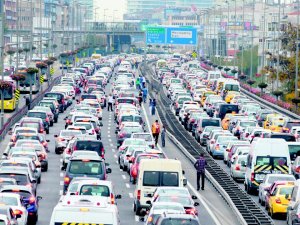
(212, 208)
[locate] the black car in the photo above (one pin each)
(60, 99)
(43, 116)
(51, 105)
(89, 145)
(227, 108)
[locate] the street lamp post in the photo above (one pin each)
(278, 44)
(252, 41)
(297, 52)
(2, 56)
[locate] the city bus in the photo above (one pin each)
(10, 101)
(25, 84)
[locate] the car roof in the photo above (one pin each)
(16, 187)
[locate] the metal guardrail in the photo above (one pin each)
(21, 112)
(242, 204)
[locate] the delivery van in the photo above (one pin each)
(266, 156)
(155, 173)
(81, 209)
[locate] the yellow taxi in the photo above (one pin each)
(270, 117)
(280, 198)
(230, 95)
(276, 124)
(226, 120)
(205, 94)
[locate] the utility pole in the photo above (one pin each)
(252, 41)
(31, 35)
(297, 52)
(242, 59)
(2, 56)
(235, 39)
(18, 36)
(41, 32)
(278, 45)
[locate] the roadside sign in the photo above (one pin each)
(181, 36)
(17, 94)
(42, 79)
(67, 63)
(51, 71)
(155, 35)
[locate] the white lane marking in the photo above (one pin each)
(108, 136)
(111, 145)
(109, 139)
(127, 185)
(61, 192)
(108, 128)
(212, 215)
(121, 170)
(113, 150)
(137, 218)
(61, 174)
(117, 162)
(61, 183)
(130, 195)
(115, 155)
(124, 177)
(61, 160)
(108, 133)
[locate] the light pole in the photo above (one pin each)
(263, 42)
(2, 56)
(18, 36)
(235, 38)
(243, 19)
(297, 52)
(252, 40)
(31, 35)
(104, 15)
(278, 44)
(41, 32)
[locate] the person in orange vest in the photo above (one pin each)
(155, 131)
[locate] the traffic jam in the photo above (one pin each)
(260, 147)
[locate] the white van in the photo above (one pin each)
(155, 173)
(213, 75)
(266, 155)
(230, 85)
(78, 209)
(295, 197)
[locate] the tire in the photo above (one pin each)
(46, 168)
(57, 151)
(47, 131)
(259, 200)
(39, 180)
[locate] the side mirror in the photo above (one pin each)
(267, 189)
(289, 208)
(48, 140)
(108, 170)
(39, 198)
(184, 181)
(196, 204)
(118, 196)
(243, 164)
(287, 196)
(148, 202)
(194, 197)
(18, 216)
(63, 168)
(55, 135)
(33, 181)
(183, 172)
(101, 124)
(149, 195)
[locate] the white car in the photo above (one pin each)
(14, 201)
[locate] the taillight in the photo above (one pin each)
(278, 201)
(68, 121)
(298, 169)
(41, 130)
(237, 167)
(102, 152)
(93, 131)
(29, 185)
(112, 198)
(66, 180)
(45, 143)
(47, 119)
(138, 194)
(68, 151)
(191, 211)
(18, 212)
(252, 177)
(217, 147)
(61, 139)
(121, 135)
(193, 120)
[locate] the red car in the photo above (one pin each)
(134, 170)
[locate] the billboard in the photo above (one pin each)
(171, 35)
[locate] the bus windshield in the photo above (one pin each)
(8, 94)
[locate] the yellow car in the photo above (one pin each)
(230, 95)
(269, 118)
(205, 94)
(279, 199)
(276, 124)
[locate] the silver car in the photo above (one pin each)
(61, 140)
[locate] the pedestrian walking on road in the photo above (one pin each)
(137, 83)
(200, 167)
(27, 101)
(163, 136)
(153, 104)
(155, 131)
(110, 102)
(145, 93)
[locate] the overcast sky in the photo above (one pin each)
(111, 6)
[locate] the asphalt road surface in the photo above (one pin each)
(212, 208)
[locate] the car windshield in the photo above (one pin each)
(25, 131)
(181, 100)
(272, 179)
(96, 190)
(146, 137)
(69, 133)
(89, 145)
(210, 122)
(146, 157)
(21, 179)
(178, 221)
(24, 194)
(28, 137)
(87, 126)
(29, 156)
(159, 178)
(286, 190)
(232, 87)
(31, 125)
(7, 200)
(132, 129)
(226, 139)
(87, 167)
(134, 142)
(184, 200)
(8, 94)
(248, 124)
(83, 131)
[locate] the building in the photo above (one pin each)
(10, 10)
(195, 4)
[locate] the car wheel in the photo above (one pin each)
(263, 203)
(259, 200)
(272, 214)
(46, 168)
(47, 131)
(57, 151)
(39, 180)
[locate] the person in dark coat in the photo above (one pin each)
(153, 107)
(200, 165)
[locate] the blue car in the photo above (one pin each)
(220, 146)
(29, 200)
